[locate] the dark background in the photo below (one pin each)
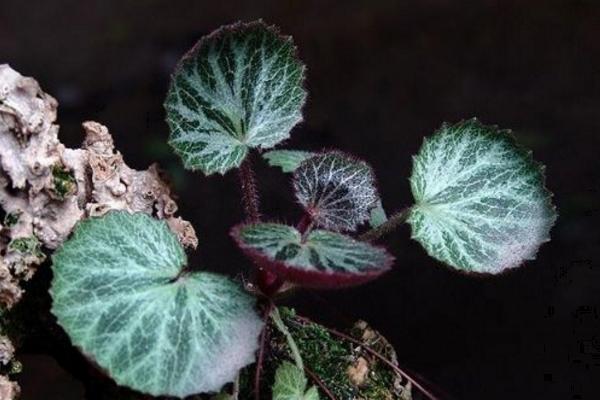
(381, 75)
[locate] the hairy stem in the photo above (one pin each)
(305, 223)
(305, 226)
(397, 219)
(261, 351)
(288, 336)
(250, 197)
(268, 282)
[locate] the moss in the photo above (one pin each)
(63, 180)
(330, 358)
(26, 245)
(12, 218)
(325, 356)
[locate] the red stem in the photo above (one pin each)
(266, 281)
(319, 383)
(261, 351)
(250, 198)
(397, 219)
(304, 223)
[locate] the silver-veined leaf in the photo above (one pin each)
(240, 87)
(481, 204)
(336, 189)
(287, 160)
(291, 383)
(320, 259)
(120, 294)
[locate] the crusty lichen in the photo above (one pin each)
(46, 188)
(8, 390)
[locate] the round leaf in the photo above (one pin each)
(336, 189)
(481, 204)
(238, 88)
(120, 294)
(321, 259)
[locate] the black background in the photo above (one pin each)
(381, 75)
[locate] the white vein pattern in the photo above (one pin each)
(240, 87)
(336, 189)
(321, 251)
(287, 160)
(481, 204)
(117, 293)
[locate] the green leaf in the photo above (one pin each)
(378, 216)
(121, 295)
(336, 189)
(287, 160)
(290, 384)
(481, 204)
(321, 259)
(238, 88)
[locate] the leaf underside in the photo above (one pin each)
(336, 189)
(322, 259)
(290, 384)
(481, 205)
(287, 160)
(119, 293)
(241, 87)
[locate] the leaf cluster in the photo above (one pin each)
(122, 288)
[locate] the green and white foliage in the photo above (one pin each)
(378, 216)
(241, 87)
(291, 384)
(481, 204)
(287, 160)
(318, 259)
(336, 189)
(120, 294)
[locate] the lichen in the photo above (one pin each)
(26, 245)
(12, 218)
(9, 390)
(47, 188)
(63, 181)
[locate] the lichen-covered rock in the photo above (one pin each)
(46, 188)
(8, 390)
(7, 351)
(10, 291)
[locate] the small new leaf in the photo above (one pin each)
(336, 189)
(290, 384)
(378, 216)
(240, 87)
(321, 259)
(120, 294)
(287, 160)
(481, 204)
